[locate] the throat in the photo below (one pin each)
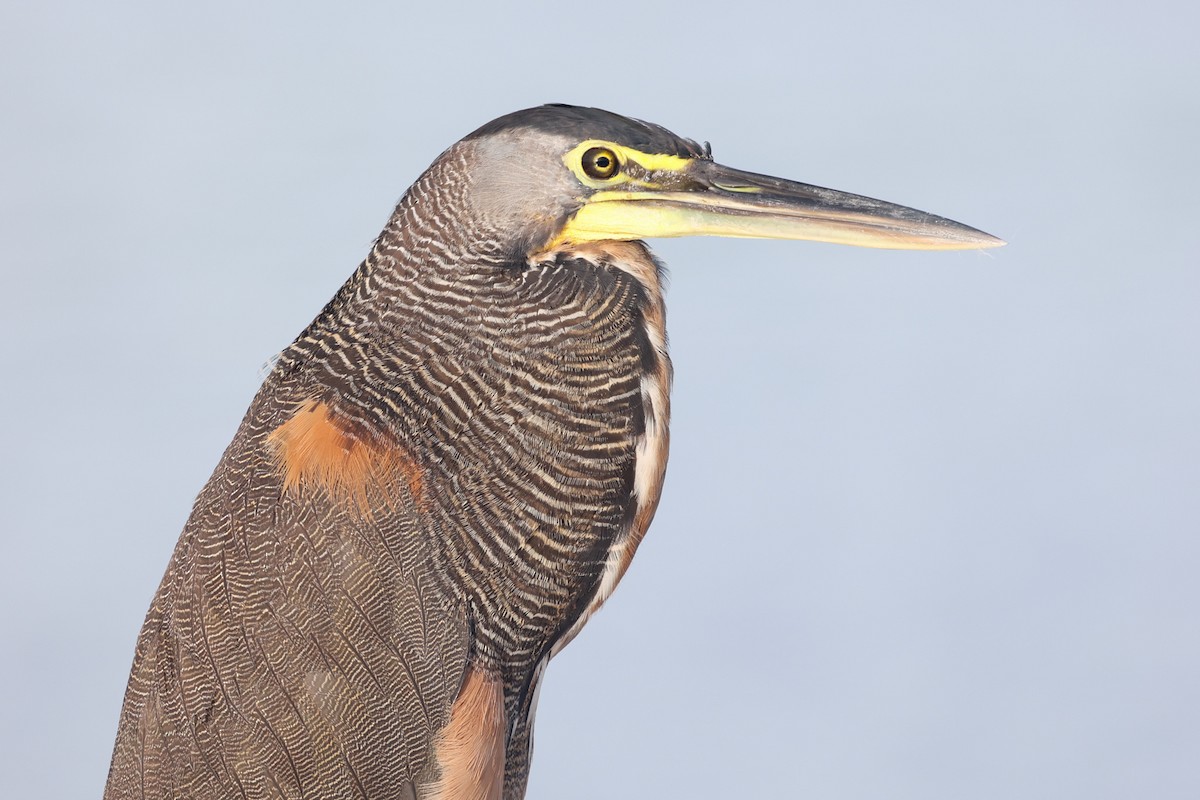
(652, 443)
(633, 258)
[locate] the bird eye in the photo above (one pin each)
(600, 163)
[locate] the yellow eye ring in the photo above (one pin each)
(600, 163)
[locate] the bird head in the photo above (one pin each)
(552, 176)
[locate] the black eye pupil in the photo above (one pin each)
(599, 163)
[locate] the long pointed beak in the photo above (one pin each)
(708, 199)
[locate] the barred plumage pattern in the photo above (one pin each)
(303, 645)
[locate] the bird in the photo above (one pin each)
(447, 472)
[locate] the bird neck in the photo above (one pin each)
(540, 388)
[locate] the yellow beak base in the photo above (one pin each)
(728, 202)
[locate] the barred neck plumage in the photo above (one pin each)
(426, 249)
(532, 397)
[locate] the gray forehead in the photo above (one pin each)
(569, 125)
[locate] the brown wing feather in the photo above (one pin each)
(297, 646)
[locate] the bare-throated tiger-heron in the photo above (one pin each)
(447, 472)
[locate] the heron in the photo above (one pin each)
(447, 472)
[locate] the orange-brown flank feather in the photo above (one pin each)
(470, 749)
(315, 448)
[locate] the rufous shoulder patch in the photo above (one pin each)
(470, 750)
(316, 448)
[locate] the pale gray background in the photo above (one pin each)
(930, 526)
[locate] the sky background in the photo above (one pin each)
(930, 527)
